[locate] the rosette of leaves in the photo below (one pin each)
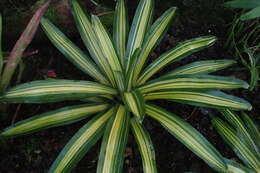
(122, 89)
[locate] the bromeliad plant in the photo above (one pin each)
(122, 90)
(243, 136)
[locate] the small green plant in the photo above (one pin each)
(243, 40)
(252, 5)
(243, 136)
(123, 89)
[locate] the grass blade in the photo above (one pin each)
(46, 91)
(145, 146)
(234, 167)
(212, 99)
(23, 42)
(179, 52)
(80, 143)
(120, 29)
(63, 116)
(189, 136)
(114, 142)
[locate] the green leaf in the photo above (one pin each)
(181, 51)
(234, 167)
(108, 49)
(132, 70)
(145, 146)
(189, 136)
(141, 21)
(45, 91)
(212, 99)
(80, 143)
(241, 129)
(135, 103)
(1, 53)
(114, 142)
(63, 116)
(194, 82)
(252, 14)
(22, 43)
(120, 29)
(71, 51)
(242, 3)
(89, 38)
(153, 38)
(200, 67)
(252, 127)
(229, 134)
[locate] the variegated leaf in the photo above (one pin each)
(80, 143)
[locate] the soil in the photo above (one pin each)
(34, 153)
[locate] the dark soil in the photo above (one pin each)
(34, 153)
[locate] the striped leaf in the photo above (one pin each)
(242, 131)
(141, 21)
(212, 99)
(132, 70)
(71, 51)
(250, 158)
(145, 146)
(1, 53)
(252, 128)
(180, 51)
(200, 67)
(66, 115)
(89, 38)
(153, 38)
(194, 82)
(120, 29)
(45, 91)
(135, 103)
(114, 142)
(234, 167)
(189, 136)
(80, 143)
(108, 50)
